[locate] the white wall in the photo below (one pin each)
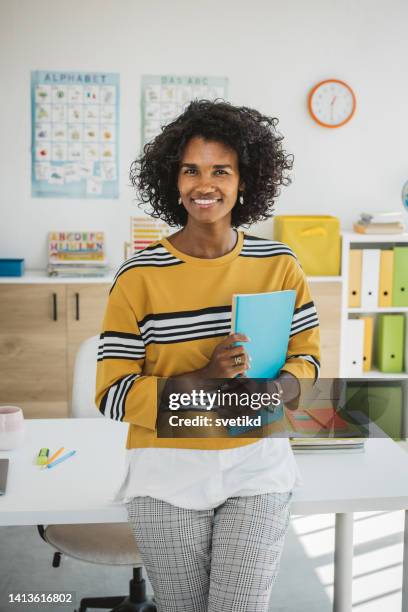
(271, 51)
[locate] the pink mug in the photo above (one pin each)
(11, 427)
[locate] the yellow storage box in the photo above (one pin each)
(314, 239)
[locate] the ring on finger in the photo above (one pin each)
(238, 360)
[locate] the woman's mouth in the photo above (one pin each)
(205, 202)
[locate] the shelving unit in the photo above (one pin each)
(376, 310)
(354, 240)
(385, 375)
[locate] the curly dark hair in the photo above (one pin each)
(263, 164)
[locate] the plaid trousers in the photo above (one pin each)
(221, 560)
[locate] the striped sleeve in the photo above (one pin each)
(303, 357)
(123, 393)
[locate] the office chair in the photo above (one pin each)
(111, 544)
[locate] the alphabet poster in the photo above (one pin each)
(165, 97)
(75, 134)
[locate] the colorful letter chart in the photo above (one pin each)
(165, 97)
(75, 134)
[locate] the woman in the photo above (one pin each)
(209, 515)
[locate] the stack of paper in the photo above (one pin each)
(301, 445)
(326, 428)
(380, 223)
(73, 254)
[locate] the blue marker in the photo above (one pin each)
(67, 456)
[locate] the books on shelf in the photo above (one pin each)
(378, 278)
(377, 340)
(382, 217)
(72, 271)
(380, 223)
(76, 254)
(379, 228)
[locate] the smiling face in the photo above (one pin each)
(208, 180)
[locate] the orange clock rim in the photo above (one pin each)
(327, 125)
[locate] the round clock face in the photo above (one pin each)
(332, 103)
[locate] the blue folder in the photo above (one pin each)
(266, 318)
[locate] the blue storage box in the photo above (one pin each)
(11, 267)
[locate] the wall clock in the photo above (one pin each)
(332, 103)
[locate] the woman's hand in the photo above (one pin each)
(227, 360)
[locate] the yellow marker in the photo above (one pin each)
(42, 458)
(55, 455)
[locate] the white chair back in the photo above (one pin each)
(83, 388)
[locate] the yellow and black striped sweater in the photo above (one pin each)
(166, 313)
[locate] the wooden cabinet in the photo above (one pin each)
(33, 371)
(85, 309)
(41, 328)
(327, 299)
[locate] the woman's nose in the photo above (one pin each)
(205, 187)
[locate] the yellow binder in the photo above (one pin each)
(354, 288)
(386, 273)
(368, 342)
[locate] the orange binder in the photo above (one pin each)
(354, 288)
(368, 342)
(386, 274)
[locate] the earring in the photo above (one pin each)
(179, 201)
(241, 199)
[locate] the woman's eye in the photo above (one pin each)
(189, 171)
(220, 171)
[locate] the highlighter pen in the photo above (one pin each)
(42, 458)
(67, 456)
(55, 455)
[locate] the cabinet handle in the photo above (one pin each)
(54, 307)
(77, 306)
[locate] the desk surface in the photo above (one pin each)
(81, 489)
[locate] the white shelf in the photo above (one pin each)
(350, 240)
(324, 279)
(40, 276)
(383, 375)
(392, 238)
(382, 309)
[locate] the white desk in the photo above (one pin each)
(80, 490)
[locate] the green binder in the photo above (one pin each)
(400, 277)
(381, 402)
(390, 342)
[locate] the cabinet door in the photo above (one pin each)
(327, 299)
(33, 349)
(85, 309)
